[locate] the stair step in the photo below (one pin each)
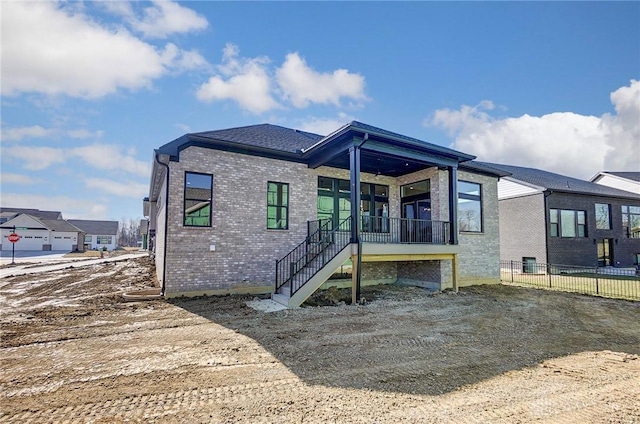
(285, 291)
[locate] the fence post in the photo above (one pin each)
(511, 272)
(549, 273)
(597, 288)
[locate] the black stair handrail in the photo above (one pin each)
(298, 266)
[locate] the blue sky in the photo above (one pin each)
(89, 89)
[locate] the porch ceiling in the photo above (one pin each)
(379, 164)
(381, 152)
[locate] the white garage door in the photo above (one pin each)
(61, 243)
(25, 243)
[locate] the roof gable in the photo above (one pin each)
(632, 176)
(33, 212)
(24, 220)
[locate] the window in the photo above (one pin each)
(603, 216)
(374, 209)
(631, 221)
(103, 239)
(87, 239)
(197, 199)
(567, 223)
(636, 258)
(529, 265)
(334, 202)
(277, 206)
(469, 207)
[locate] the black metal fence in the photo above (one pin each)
(618, 283)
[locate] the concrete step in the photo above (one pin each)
(281, 299)
(285, 291)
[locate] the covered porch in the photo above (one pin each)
(373, 223)
(405, 231)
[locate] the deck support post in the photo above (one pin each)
(453, 204)
(354, 168)
(454, 271)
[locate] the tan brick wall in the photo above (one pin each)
(246, 252)
(479, 257)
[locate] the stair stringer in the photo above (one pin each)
(319, 278)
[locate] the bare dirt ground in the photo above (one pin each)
(73, 351)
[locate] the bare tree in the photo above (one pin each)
(128, 232)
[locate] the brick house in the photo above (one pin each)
(555, 219)
(268, 209)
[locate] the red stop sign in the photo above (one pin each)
(13, 237)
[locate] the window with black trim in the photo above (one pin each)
(567, 223)
(197, 199)
(277, 206)
(469, 207)
(631, 221)
(603, 216)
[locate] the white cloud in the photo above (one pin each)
(35, 158)
(251, 83)
(9, 178)
(122, 189)
(83, 133)
(70, 207)
(99, 157)
(622, 130)
(325, 126)
(303, 85)
(165, 18)
(247, 82)
(109, 157)
(183, 127)
(562, 142)
(17, 134)
(50, 48)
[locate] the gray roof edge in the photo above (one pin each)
(363, 128)
(598, 189)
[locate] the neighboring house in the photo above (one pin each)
(268, 209)
(552, 218)
(144, 233)
(98, 234)
(627, 181)
(40, 234)
(10, 213)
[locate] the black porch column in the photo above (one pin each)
(356, 256)
(453, 204)
(354, 168)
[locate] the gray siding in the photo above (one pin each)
(523, 228)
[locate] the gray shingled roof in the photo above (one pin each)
(633, 176)
(59, 225)
(33, 212)
(100, 228)
(557, 182)
(265, 136)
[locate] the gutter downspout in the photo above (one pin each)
(166, 224)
